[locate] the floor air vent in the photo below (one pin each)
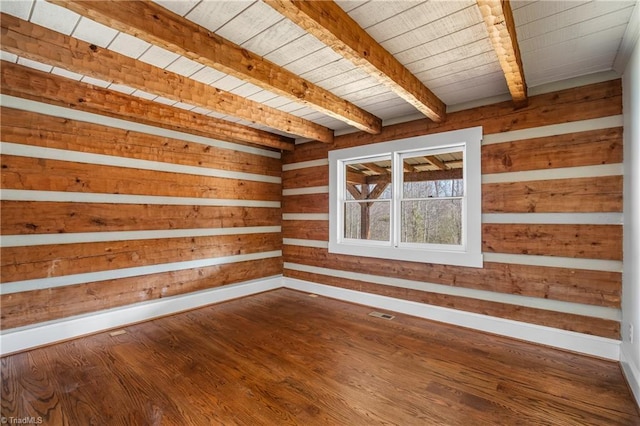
(381, 315)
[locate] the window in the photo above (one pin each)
(416, 199)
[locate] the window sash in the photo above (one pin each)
(397, 197)
(368, 240)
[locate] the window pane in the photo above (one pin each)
(433, 176)
(432, 221)
(367, 220)
(368, 180)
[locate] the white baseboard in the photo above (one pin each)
(28, 337)
(631, 373)
(548, 336)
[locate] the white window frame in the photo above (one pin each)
(468, 253)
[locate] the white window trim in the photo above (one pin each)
(470, 251)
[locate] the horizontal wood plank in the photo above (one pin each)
(572, 285)
(580, 195)
(578, 323)
(32, 217)
(306, 177)
(23, 82)
(29, 128)
(581, 241)
(306, 152)
(19, 309)
(25, 263)
(52, 175)
(602, 146)
(314, 203)
(306, 229)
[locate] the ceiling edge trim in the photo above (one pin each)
(629, 40)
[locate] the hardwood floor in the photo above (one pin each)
(284, 357)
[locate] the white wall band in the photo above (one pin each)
(89, 197)
(100, 237)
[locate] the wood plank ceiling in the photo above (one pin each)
(308, 70)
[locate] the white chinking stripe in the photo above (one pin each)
(89, 197)
(559, 173)
(514, 259)
(306, 191)
(554, 129)
(510, 299)
(56, 111)
(99, 237)
(305, 243)
(305, 216)
(305, 164)
(554, 218)
(66, 280)
(555, 262)
(31, 151)
(513, 218)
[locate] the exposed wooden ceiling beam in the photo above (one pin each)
(334, 27)
(356, 178)
(153, 23)
(436, 162)
(498, 18)
(43, 45)
(376, 169)
(408, 167)
(17, 80)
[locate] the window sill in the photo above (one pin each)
(455, 258)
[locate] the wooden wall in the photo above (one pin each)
(98, 212)
(552, 223)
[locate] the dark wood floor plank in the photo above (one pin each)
(27, 387)
(286, 358)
